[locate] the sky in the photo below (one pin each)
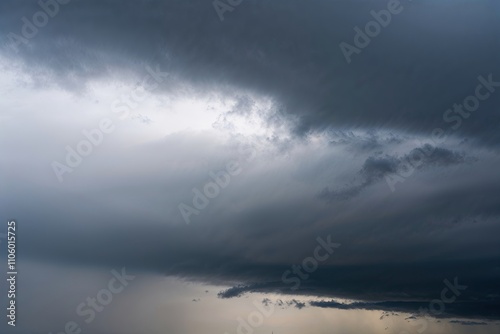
(250, 166)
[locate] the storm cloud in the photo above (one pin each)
(388, 154)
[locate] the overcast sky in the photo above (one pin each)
(208, 147)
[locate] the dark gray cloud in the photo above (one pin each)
(376, 168)
(400, 81)
(235, 291)
(469, 309)
(297, 304)
(363, 142)
(468, 323)
(283, 304)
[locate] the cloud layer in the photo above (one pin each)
(376, 153)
